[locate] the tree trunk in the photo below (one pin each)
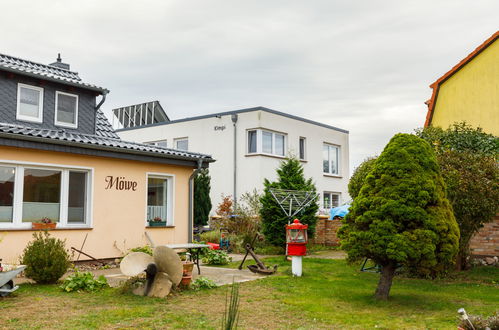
(385, 281)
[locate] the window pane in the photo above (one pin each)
(325, 158)
(157, 192)
(251, 141)
(267, 142)
(335, 200)
(302, 148)
(41, 196)
(29, 104)
(182, 144)
(66, 108)
(333, 154)
(326, 200)
(7, 175)
(279, 144)
(77, 197)
(161, 144)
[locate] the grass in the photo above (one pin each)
(331, 294)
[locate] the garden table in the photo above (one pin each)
(193, 249)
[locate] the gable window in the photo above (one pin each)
(159, 199)
(302, 148)
(29, 103)
(28, 194)
(159, 143)
(331, 199)
(66, 110)
(182, 144)
(266, 142)
(330, 159)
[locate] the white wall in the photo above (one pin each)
(252, 169)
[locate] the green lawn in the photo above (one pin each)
(331, 294)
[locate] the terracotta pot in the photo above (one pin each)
(41, 225)
(188, 266)
(186, 280)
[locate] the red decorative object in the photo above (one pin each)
(41, 225)
(296, 238)
(213, 246)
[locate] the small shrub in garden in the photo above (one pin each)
(83, 281)
(146, 249)
(216, 257)
(212, 236)
(481, 323)
(203, 283)
(46, 257)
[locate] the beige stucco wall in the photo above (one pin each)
(118, 217)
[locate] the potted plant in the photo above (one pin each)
(157, 222)
(43, 223)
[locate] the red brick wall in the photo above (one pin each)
(486, 241)
(325, 231)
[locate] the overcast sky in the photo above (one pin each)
(364, 66)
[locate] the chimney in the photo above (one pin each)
(59, 64)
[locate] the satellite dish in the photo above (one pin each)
(135, 263)
(168, 262)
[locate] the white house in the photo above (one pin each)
(248, 146)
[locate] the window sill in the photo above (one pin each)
(156, 227)
(57, 228)
(62, 125)
(266, 155)
(333, 175)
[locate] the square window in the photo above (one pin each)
(29, 103)
(331, 200)
(42, 195)
(66, 113)
(182, 144)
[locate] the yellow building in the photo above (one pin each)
(469, 91)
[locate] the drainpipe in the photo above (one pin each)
(191, 200)
(234, 121)
(101, 101)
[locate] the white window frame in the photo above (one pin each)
(17, 222)
(156, 143)
(304, 148)
(330, 193)
(338, 168)
(175, 141)
(38, 119)
(170, 198)
(259, 142)
(61, 123)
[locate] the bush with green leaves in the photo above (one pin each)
(203, 283)
(202, 200)
(83, 281)
(401, 216)
(145, 249)
(359, 176)
(216, 257)
(468, 159)
(290, 177)
(46, 258)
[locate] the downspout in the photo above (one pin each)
(191, 200)
(234, 121)
(101, 101)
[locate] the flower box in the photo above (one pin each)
(41, 225)
(157, 223)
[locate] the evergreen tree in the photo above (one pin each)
(202, 201)
(401, 215)
(359, 176)
(290, 177)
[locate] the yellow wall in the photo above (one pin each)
(118, 216)
(472, 94)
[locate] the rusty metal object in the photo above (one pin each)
(88, 255)
(260, 267)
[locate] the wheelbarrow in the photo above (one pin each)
(7, 279)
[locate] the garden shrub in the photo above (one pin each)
(202, 201)
(481, 323)
(290, 177)
(212, 236)
(401, 215)
(359, 176)
(203, 283)
(145, 249)
(83, 281)
(216, 257)
(46, 258)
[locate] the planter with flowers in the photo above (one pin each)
(157, 222)
(44, 223)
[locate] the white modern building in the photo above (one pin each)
(248, 146)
